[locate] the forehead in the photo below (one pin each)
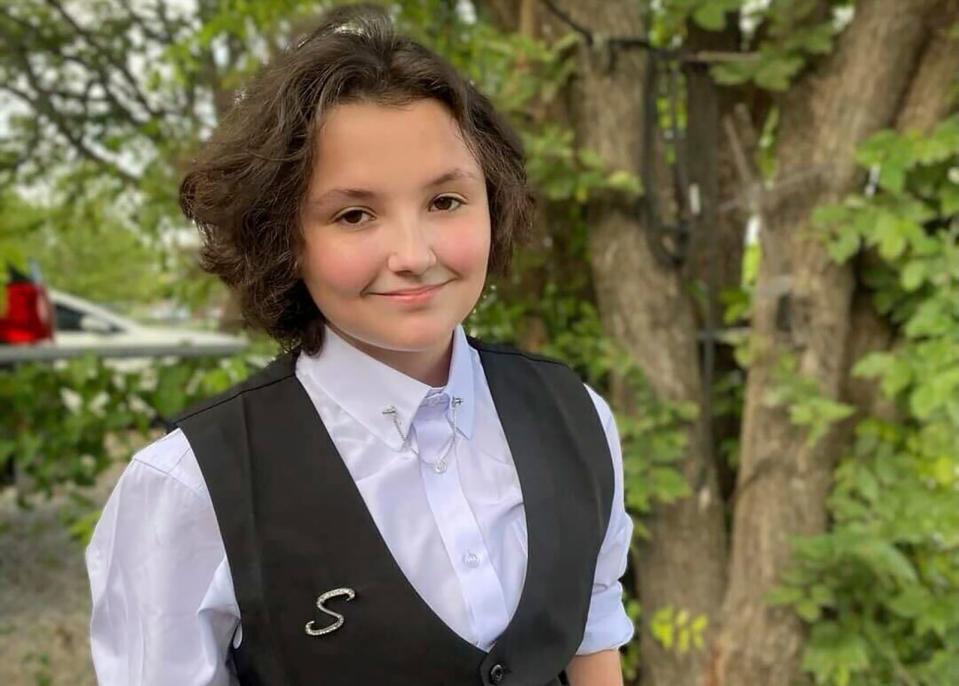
(369, 145)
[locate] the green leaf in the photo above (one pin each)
(734, 73)
(913, 275)
(775, 73)
(911, 602)
(889, 235)
(878, 148)
(872, 365)
(784, 595)
(808, 610)
(817, 40)
(711, 15)
(949, 199)
(625, 181)
(867, 485)
(897, 161)
(946, 138)
(886, 561)
(897, 377)
(844, 245)
(661, 626)
(835, 652)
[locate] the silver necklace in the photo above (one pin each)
(442, 464)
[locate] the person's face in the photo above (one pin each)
(396, 203)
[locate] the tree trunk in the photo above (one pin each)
(646, 308)
(802, 308)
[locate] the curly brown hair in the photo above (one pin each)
(245, 189)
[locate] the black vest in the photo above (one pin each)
(294, 526)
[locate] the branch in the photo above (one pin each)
(103, 79)
(41, 104)
(931, 94)
(169, 26)
(148, 31)
(18, 49)
(110, 57)
(14, 166)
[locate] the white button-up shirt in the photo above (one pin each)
(447, 503)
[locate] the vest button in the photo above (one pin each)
(496, 674)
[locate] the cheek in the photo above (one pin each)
(338, 268)
(468, 251)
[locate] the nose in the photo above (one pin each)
(412, 249)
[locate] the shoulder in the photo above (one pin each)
(168, 459)
(509, 360)
(549, 363)
(552, 366)
(160, 503)
(602, 408)
(510, 351)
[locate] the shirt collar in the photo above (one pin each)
(364, 387)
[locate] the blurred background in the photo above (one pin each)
(747, 240)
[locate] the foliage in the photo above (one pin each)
(678, 630)
(128, 266)
(20, 224)
(781, 36)
(799, 394)
(66, 422)
(881, 589)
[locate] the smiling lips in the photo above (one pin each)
(413, 295)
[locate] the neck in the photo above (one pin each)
(431, 366)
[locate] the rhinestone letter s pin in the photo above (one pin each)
(335, 593)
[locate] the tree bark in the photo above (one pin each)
(646, 308)
(802, 308)
(932, 94)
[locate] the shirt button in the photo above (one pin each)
(471, 559)
(496, 674)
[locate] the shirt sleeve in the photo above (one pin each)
(164, 610)
(607, 624)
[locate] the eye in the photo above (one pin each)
(352, 217)
(447, 203)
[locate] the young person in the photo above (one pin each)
(390, 501)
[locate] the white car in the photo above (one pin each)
(83, 327)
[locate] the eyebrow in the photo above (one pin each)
(365, 194)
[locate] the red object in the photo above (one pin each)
(29, 317)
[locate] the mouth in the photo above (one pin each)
(413, 291)
(412, 294)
